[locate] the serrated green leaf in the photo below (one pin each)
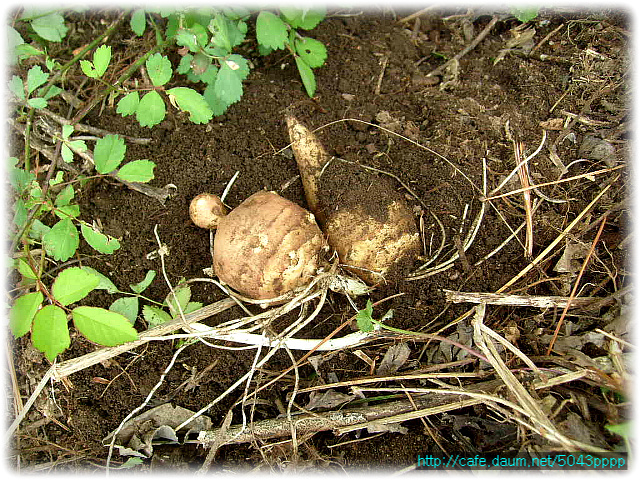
(128, 104)
(20, 213)
(138, 22)
(271, 31)
(67, 154)
(151, 110)
(313, 52)
(25, 269)
(88, 69)
(364, 318)
(217, 105)
(101, 59)
(303, 18)
(307, 76)
(103, 326)
(38, 230)
(200, 63)
(50, 27)
(67, 130)
(57, 179)
(22, 313)
(137, 171)
(62, 241)
(20, 178)
(227, 33)
(142, 286)
(127, 307)
(37, 103)
(209, 76)
(50, 333)
(159, 69)
(73, 284)
(228, 85)
(239, 65)
(264, 50)
(99, 241)
(109, 153)
(77, 145)
(182, 297)
(185, 64)
(194, 37)
(52, 92)
(17, 87)
(191, 101)
(155, 316)
(104, 283)
(23, 52)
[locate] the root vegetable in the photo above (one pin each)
(206, 210)
(366, 221)
(267, 246)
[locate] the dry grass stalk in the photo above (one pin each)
(539, 301)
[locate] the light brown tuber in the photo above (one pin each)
(267, 246)
(206, 210)
(366, 221)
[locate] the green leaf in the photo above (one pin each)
(99, 241)
(525, 14)
(151, 110)
(73, 284)
(57, 179)
(101, 59)
(159, 69)
(226, 32)
(137, 171)
(155, 316)
(191, 101)
(109, 153)
(67, 211)
(35, 78)
(50, 27)
(138, 22)
(307, 76)
(142, 286)
(65, 196)
(270, 30)
(228, 85)
(303, 18)
(104, 283)
(185, 64)
(183, 295)
(313, 52)
(50, 333)
(209, 76)
(38, 230)
(128, 104)
(127, 307)
(17, 87)
(239, 65)
(62, 241)
(52, 92)
(103, 327)
(23, 52)
(37, 103)
(199, 63)
(194, 38)
(20, 178)
(25, 269)
(67, 130)
(217, 105)
(88, 69)
(364, 318)
(22, 313)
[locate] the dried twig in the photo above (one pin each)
(539, 301)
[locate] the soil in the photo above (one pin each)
(376, 72)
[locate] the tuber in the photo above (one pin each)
(266, 246)
(366, 221)
(206, 210)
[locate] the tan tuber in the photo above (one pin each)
(266, 246)
(366, 221)
(206, 210)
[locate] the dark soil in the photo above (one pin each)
(375, 72)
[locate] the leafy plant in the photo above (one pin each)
(366, 322)
(278, 32)
(61, 240)
(48, 323)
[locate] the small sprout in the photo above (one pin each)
(206, 210)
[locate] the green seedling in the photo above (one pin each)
(26, 91)
(366, 322)
(525, 14)
(48, 323)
